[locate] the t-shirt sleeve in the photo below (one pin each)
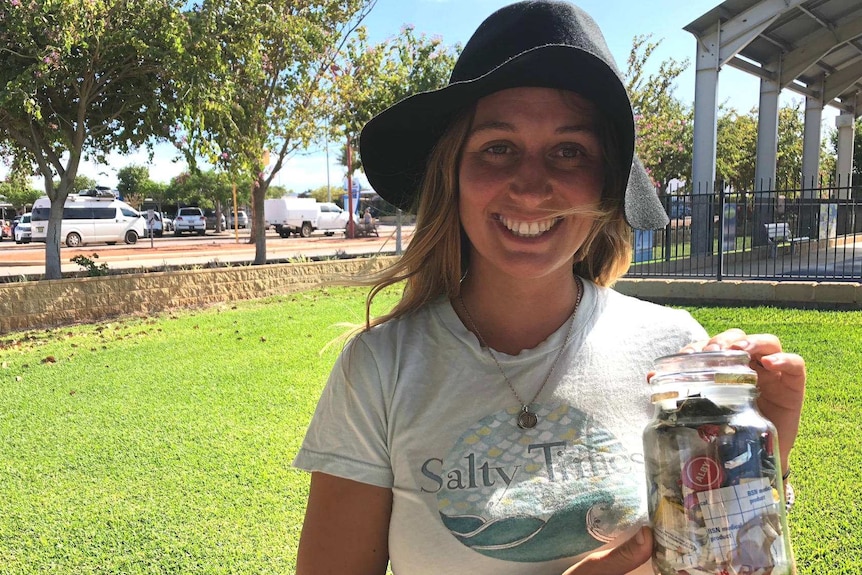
(690, 328)
(348, 434)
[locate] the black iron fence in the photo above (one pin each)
(787, 234)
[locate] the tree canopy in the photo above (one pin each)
(664, 123)
(254, 85)
(83, 79)
(368, 79)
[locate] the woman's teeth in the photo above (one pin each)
(528, 229)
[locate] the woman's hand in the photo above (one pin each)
(780, 379)
(619, 560)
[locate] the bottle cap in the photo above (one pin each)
(702, 473)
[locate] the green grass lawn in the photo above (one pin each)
(164, 445)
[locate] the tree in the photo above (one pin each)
(208, 189)
(277, 191)
(665, 125)
(18, 191)
(254, 81)
(80, 183)
(133, 181)
(736, 148)
(369, 79)
(320, 194)
(355, 160)
(791, 133)
(135, 186)
(82, 79)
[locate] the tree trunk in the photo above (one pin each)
(53, 238)
(58, 195)
(258, 228)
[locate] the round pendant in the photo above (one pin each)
(527, 419)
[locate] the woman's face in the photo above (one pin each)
(530, 153)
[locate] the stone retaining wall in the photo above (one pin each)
(801, 294)
(40, 304)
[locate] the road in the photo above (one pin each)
(29, 259)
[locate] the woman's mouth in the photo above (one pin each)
(532, 229)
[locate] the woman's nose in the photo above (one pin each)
(531, 180)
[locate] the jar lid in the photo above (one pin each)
(725, 360)
(728, 367)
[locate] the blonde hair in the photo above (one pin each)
(437, 256)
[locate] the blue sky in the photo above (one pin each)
(454, 21)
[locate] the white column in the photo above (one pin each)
(767, 136)
(845, 123)
(811, 146)
(705, 127)
(704, 145)
(767, 158)
(810, 167)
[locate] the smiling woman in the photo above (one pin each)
(491, 421)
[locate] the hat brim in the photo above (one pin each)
(395, 144)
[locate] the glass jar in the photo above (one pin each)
(714, 479)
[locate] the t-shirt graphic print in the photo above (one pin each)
(563, 488)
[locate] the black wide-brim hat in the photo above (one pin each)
(537, 43)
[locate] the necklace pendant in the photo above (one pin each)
(527, 419)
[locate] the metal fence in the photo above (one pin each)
(787, 234)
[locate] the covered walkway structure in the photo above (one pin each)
(812, 47)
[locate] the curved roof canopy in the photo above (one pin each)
(813, 47)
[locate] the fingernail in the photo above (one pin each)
(712, 347)
(639, 536)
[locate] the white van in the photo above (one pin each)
(88, 220)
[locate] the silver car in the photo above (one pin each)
(241, 220)
(22, 230)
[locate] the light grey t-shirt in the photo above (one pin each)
(418, 406)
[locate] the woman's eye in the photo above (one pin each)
(497, 149)
(570, 152)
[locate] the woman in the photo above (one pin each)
(491, 422)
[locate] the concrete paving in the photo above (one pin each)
(169, 252)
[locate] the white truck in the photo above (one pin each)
(302, 216)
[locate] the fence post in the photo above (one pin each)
(720, 267)
(666, 243)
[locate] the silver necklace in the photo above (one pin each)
(527, 419)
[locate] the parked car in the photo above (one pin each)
(190, 220)
(241, 220)
(158, 225)
(167, 223)
(210, 216)
(22, 230)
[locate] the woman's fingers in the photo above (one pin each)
(617, 561)
(717, 342)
